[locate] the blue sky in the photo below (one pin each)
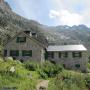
(54, 12)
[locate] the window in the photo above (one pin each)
(21, 39)
(64, 54)
(5, 52)
(77, 65)
(77, 54)
(27, 53)
(14, 53)
(51, 54)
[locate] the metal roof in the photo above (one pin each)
(66, 48)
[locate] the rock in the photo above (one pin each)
(12, 69)
(8, 58)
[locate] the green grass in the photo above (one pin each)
(22, 78)
(69, 80)
(27, 75)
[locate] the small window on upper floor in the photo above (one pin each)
(77, 54)
(21, 39)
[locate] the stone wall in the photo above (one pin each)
(70, 62)
(37, 50)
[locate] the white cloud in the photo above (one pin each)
(63, 12)
(71, 12)
(54, 14)
(65, 17)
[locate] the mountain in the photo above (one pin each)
(74, 35)
(11, 23)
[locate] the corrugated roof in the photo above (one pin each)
(66, 48)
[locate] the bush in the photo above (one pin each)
(49, 69)
(42, 74)
(68, 81)
(32, 66)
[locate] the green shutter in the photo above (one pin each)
(77, 54)
(5, 53)
(14, 53)
(59, 54)
(21, 39)
(77, 65)
(27, 53)
(17, 39)
(46, 55)
(52, 54)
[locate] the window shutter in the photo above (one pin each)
(77, 54)
(59, 54)
(52, 54)
(14, 53)
(5, 53)
(77, 65)
(27, 53)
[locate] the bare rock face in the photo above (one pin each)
(1, 1)
(4, 5)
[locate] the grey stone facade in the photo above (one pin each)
(30, 44)
(39, 51)
(70, 62)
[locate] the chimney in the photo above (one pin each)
(31, 34)
(34, 34)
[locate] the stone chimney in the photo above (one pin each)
(31, 34)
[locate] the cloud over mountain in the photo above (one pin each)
(65, 17)
(69, 12)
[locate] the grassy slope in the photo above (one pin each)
(68, 80)
(25, 79)
(21, 78)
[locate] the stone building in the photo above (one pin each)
(25, 46)
(71, 56)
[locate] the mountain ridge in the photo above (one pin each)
(11, 23)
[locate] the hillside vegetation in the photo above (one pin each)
(27, 75)
(21, 79)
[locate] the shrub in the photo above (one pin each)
(68, 81)
(42, 74)
(49, 69)
(32, 66)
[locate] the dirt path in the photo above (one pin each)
(43, 85)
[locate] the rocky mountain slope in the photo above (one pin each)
(11, 23)
(74, 35)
